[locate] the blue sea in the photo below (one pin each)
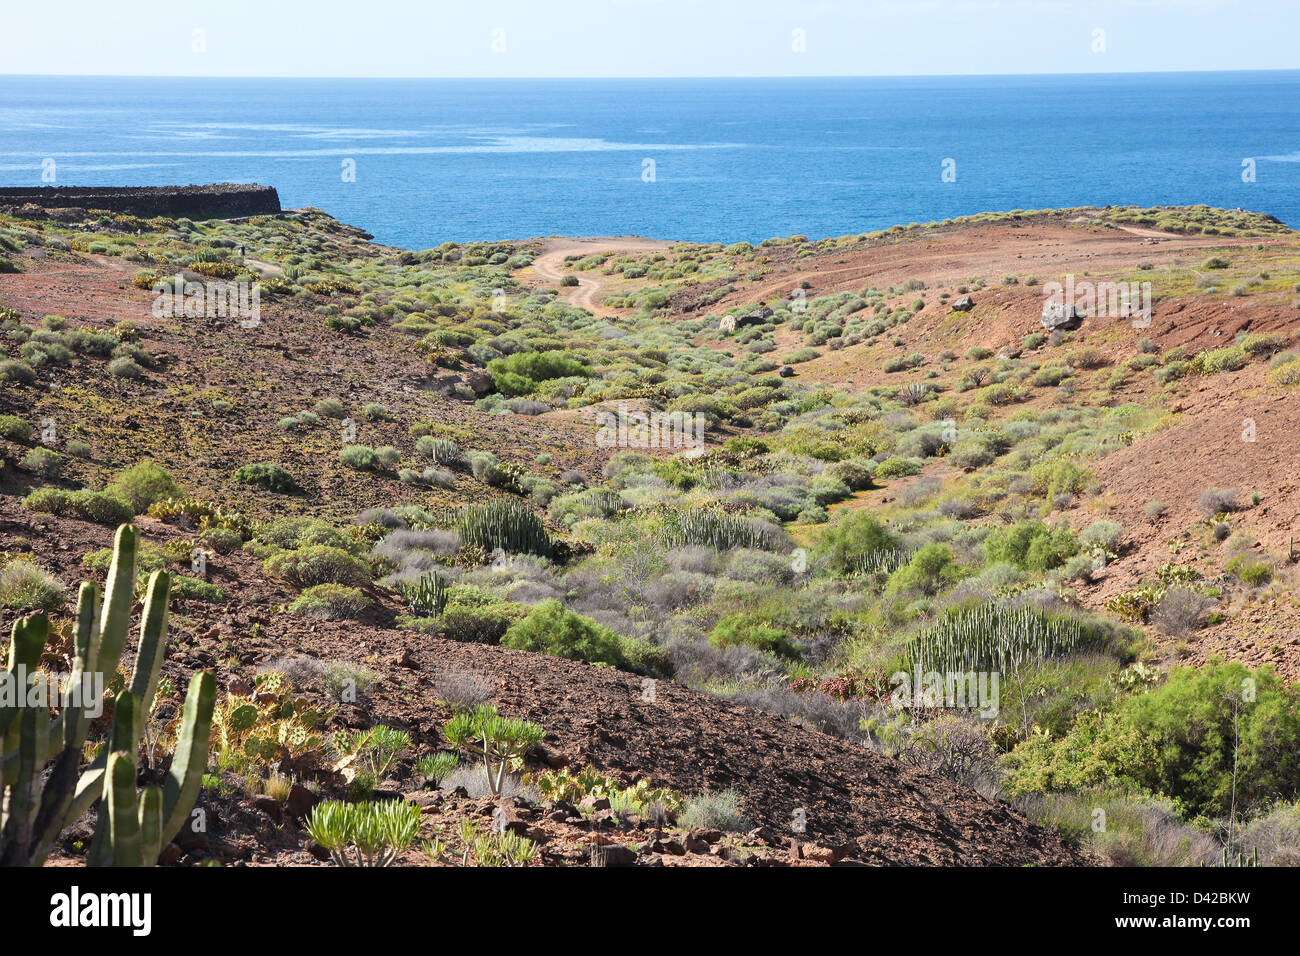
(419, 162)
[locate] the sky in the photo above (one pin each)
(644, 38)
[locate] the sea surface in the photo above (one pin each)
(420, 162)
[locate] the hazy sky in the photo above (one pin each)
(477, 38)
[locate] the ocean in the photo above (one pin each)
(420, 162)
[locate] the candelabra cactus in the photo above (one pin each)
(36, 805)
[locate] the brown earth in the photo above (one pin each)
(859, 805)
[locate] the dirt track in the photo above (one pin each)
(587, 294)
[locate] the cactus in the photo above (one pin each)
(509, 525)
(991, 637)
(717, 530)
(38, 805)
(427, 596)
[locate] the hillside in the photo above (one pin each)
(880, 458)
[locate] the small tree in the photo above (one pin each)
(500, 742)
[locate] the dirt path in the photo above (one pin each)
(549, 266)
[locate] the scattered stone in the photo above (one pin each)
(550, 756)
(732, 855)
(427, 800)
(614, 855)
(696, 844)
(271, 807)
(170, 854)
(300, 801)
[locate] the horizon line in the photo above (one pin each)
(728, 76)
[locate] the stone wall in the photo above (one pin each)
(223, 200)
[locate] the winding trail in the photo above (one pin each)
(550, 267)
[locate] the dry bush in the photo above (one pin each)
(1180, 611)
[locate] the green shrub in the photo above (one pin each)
(1030, 545)
(852, 539)
(1287, 374)
(184, 586)
(552, 629)
(714, 811)
(124, 367)
(1215, 361)
(1211, 739)
(142, 484)
(222, 540)
(476, 625)
(14, 428)
(752, 631)
(897, 466)
(1059, 477)
(43, 461)
(20, 373)
(1106, 535)
(97, 506)
(519, 374)
(853, 473)
(330, 602)
(1250, 570)
(298, 532)
(360, 457)
(266, 475)
(930, 570)
(317, 564)
(26, 587)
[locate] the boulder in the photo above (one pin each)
(964, 304)
(1057, 315)
(786, 371)
(613, 855)
(756, 317)
(300, 802)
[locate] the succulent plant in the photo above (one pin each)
(369, 834)
(504, 524)
(39, 802)
(500, 742)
